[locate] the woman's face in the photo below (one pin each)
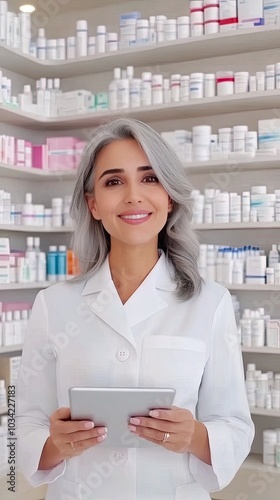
(128, 198)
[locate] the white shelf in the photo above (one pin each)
(34, 229)
(195, 48)
(261, 350)
(251, 288)
(3, 410)
(25, 286)
(254, 462)
(35, 173)
(264, 412)
(194, 108)
(263, 162)
(237, 225)
(10, 349)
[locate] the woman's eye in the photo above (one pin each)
(113, 182)
(150, 179)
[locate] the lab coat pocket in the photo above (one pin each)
(190, 492)
(173, 361)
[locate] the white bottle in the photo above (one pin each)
(17, 328)
(152, 29)
(3, 394)
(135, 92)
(71, 47)
(41, 267)
(27, 211)
(273, 257)
(221, 208)
(146, 92)
(81, 38)
(157, 89)
(41, 44)
(30, 254)
(101, 39)
(113, 89)
(123, 93)
(8, 329)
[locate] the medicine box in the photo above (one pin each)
(9, 369)
(40, 156)
(269, 134)
(271, 12)
(61, 153)
(255, 270)
(273, 333)
(228, 15)
(250, 13)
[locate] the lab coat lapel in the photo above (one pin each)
(104, 301)
(147, 300)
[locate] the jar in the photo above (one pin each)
(196, 85)
(183, 27)
(225, 83)
(175, 84)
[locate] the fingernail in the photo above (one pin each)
(154, 413)
(101, 438)
(89, 425)
(103, 430)
(135, 421)
(132, 428)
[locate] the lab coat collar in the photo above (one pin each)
(145, 301)
(161, 276)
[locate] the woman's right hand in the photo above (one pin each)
(81, 433)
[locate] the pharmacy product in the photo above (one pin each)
(228, 15)
(250, 13)
(170, 30)
(271, 12)
(41, 44)
(196, 85)
(61, 263)
(146, 91)
(175, 83)
(269, 134)
(157, 89)
(71, 47)
(270, 77)
(142, 31)
(112, 43)
(152, 29)
(61, 49)
(209, 85)
(241, 82)
(239, 135)
(196, 18)
(101, 39)
(225, 83)
(135, 93)
(183, 27)
(269, 443)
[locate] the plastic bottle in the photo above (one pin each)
(61, 263)
(52, 263)
(273, 257)
(3, 394)
(31, 256)
(27, 211)
(146, 92)
(113, 89)
(41, 44)
(81, 38)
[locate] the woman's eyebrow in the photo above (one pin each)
(121, 170)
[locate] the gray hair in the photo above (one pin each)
(91, 242)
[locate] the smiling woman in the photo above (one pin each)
(139, 315)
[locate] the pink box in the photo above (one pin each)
(10, 150)
(28, 154)
(40, 156)
(80, 146)
(20, 153)
(61, 153)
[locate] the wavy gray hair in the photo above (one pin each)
(91, 242)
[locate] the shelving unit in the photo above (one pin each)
(195, 49)
(34, 229)
(190, 49)
(195, 108)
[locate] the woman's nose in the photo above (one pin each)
(132, 194)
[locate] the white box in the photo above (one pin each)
(255, 270)
(250, 13)
(273, 333)
(269, 134)
(228, 15)
(9, 370)
(271, 12)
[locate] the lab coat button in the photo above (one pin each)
(120, 457)
(122, 354)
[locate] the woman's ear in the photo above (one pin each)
(91, 203)
(170, 204)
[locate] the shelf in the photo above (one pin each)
(34, 229)
(264, 162)
(10, 349)
(254, 462)
(264, 412)
(251, 288)
(194, 108)
(35, 173)
(236, 225)
(190, 49)
(261, 350)
(3, 410)
(25, 286)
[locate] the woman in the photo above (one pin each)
(137, 315)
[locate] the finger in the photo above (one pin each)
(173, 415)
(73, 426)
(61, 414)
(160, 425)
(84, 436)
(88, 443)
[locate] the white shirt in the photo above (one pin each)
(75, 337)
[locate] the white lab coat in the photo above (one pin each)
(82, 335)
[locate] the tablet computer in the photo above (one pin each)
(112, 407)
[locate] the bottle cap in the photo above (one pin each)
(17, 315)
(117, 73)
(81, 25)
(41, 32)
(28, 198)
(26, 88)
(53, 248)
(29, 241)
(37, 241)
(62, 248)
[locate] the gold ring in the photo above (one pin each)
(166, 437)
(72, 446)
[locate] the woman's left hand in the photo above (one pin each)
(173, 429)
